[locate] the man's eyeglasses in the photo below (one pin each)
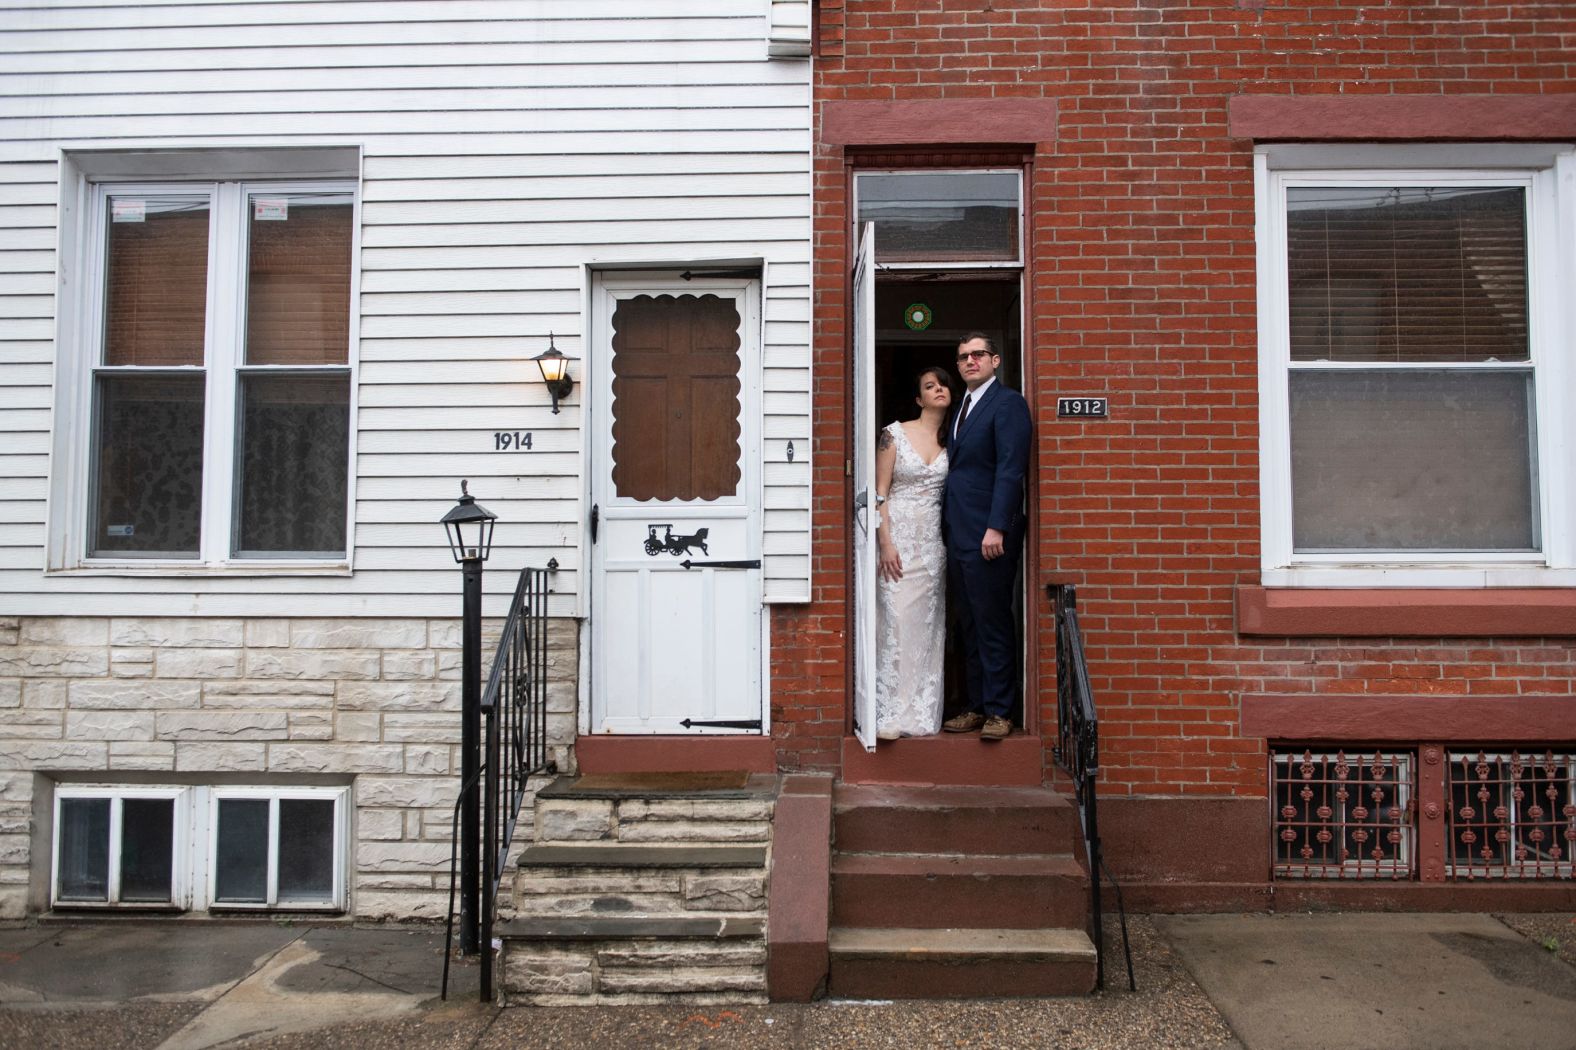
(977, 355)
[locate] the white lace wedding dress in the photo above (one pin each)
(911, 623)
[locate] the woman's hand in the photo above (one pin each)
(891, 567)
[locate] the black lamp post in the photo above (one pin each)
(554, 367)
(469, 526)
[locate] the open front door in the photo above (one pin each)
(865, 511)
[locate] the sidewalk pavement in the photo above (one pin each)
(1233, 982)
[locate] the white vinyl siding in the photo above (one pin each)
(505, 148)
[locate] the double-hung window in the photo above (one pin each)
(218, 408)
(1415, 350)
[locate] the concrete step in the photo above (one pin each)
(933, 891)
(895, 818)
(908, 963)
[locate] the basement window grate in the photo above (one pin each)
(1344, 814)
(1512, 815)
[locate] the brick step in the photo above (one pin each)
(908, 963)
(1017, 891)
(894, 818)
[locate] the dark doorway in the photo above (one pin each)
(920, 319)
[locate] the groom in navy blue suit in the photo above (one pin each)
(987, 455)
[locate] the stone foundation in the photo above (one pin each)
(375, 703)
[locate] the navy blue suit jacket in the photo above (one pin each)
(986, 463)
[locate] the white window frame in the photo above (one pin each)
(274, 795)
(82, 341)
(194, 874)
(943, 263)
(180, 888)
(1548, 173)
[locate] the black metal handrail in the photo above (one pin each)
(514, 747)
(1078, 753)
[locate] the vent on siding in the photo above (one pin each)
(1344, 814)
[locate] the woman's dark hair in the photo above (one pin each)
(945, 378)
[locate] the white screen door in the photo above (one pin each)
(676, 580)
(865, 510)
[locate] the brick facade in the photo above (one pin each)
(1141, 286)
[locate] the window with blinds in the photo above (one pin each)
(222, 385)
(1411, 383)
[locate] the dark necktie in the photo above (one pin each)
(963, 414)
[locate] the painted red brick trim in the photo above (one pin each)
(1308, 613)
(1376, 119)
(916, 122)
(1441, 719)
(673, 754)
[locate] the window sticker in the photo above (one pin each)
(121, 530)
(270, 209)
(127, 210)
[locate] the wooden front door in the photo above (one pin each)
(676, 580)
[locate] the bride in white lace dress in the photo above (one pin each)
(911, 622)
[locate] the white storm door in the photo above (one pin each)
(865, 511)
(676, 592)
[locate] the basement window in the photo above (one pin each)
(119, 847)
(277, 849)
(200, 848)
(1512, 815)
(1343, 814)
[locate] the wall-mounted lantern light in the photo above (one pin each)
(555, 372)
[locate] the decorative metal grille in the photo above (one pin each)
(1344, 815)
(1512, 816)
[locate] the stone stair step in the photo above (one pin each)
(896, 818)
(630, 927)
(613, 855)
(1016, 891)
(909, 963)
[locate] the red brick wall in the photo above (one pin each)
(1142, 289)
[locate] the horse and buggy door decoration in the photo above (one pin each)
(676, 586)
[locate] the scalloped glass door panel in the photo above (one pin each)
(676, 398)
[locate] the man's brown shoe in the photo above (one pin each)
(967, 722)
(996, 728)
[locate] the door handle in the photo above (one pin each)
(596, 518)
(861, 503)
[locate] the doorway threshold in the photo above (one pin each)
(950, 758)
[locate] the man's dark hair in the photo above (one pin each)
(990, 344)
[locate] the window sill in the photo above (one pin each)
(1414, 613)
(174, 569)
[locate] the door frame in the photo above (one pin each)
(872, 161)
(704, 274)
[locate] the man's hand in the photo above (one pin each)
(993, 545)
(891, 567)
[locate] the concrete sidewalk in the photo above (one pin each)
(1231, 982)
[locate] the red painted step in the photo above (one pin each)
(934, 891)
(890, 818)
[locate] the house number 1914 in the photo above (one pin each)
(511, 441)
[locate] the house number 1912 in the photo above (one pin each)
(511, 440)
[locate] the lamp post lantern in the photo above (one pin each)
(469, 527)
